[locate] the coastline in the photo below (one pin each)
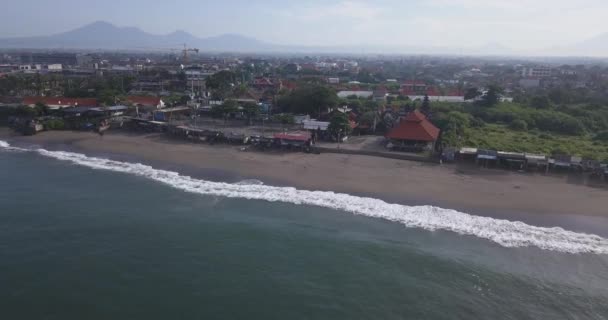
(494, 193)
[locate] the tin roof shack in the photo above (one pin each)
(448, 154)
(539, 161)
(169, 114)
(299, 140)
(576, 163)
(415, 133)
(467, 154)
(486, 157)
(145, 125)
(560, 162)
(318, 129)
(511, 160)
(195, 134)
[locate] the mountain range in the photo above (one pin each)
(103, 35)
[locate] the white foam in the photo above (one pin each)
(4, 144)
(503, 232)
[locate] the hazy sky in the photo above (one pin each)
(518, 24)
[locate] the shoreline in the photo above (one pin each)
(486, 192)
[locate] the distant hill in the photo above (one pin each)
(103, 35)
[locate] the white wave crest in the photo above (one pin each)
(249, 182)
(503, 232)
(4, 144)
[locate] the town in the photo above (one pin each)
(512, 113)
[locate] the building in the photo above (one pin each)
(536, 72)
(414, 88)
(358, 94)
(61, 102)
(333, 80)
(146, 101)
(415, 133)
(66, 59)
(529, 83)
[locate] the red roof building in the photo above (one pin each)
(61, 102)
(416, 128)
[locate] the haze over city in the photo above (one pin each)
(517, 26)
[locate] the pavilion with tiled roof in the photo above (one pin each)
(414, 132)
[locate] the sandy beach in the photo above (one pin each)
(412, 183)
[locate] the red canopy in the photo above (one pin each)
(294, 136)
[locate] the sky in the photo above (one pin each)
(516, 24)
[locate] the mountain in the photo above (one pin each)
(103, 35)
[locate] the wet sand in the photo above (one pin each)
(469, 189)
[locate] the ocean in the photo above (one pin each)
(90, 238)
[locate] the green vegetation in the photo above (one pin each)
(500, 137)
(251, 110)
(284, 118)
(536, 125)
(226, 109)
(311, 99)
(339, 125)
(54, 124)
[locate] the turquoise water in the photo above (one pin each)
(79, 243)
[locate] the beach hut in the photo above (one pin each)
(511, 159)
(484, 157)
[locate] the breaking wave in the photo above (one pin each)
(503, 232)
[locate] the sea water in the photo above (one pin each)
(91, 238)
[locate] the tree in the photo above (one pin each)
(41, 109)
(472, 93)
(519, 125)
(309, 100)
(339, 125)
(540, 102)
(491, 97)
(426, 106)
(251, 110)
(221, 84)
(369, 118)
(224, 110)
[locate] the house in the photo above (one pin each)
(358, 94)
(61, 102)
(415, 88)
(380, 94)
(146, 101)
(414, 133)
(264, 83)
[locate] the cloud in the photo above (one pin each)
(356, 10)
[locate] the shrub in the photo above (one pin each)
(601, 136)
(54, 124)
(519, 125)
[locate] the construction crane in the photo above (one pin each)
(185, 52)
